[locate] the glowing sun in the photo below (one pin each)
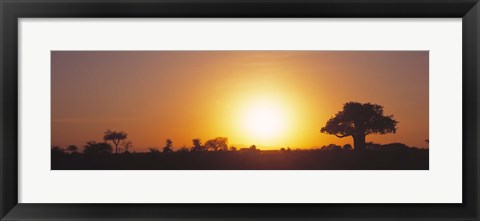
(265, 121)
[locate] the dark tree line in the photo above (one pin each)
(355, 120)
(216, 144)
(113, 141)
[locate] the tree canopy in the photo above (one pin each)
(115, 137)
(359, 120)
(217, 144)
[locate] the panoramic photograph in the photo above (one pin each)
(239, 110)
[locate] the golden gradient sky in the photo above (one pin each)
(205, 94)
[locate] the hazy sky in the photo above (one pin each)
(269, 98)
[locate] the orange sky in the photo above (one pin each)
(269, 98)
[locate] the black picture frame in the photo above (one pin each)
(12, 10)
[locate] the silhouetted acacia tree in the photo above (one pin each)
(359, 120)
(94, 148)
(217, 144)
(168, 146)
(197, 145)
(115, 137)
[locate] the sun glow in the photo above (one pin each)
(265, 121)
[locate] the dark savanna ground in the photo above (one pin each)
(378, 157)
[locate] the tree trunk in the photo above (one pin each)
(359, 143)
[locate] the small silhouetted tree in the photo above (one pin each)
(217, 144)
(359, 120)
(197, 145)
(233, 149)
(115, 137)
(253, 147)
(168, 146)
(72, 149)
(94, 148)
(127, 146)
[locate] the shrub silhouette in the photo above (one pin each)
(183, 149)
(252, 148)
(168, 146)
(332, 147)
(153, 150)
(72, 149)
(94, 148)
(115, 137)
(127, 145)
(56, 150)
(359, 120)
(217, 144)
(197, 145)
(347, 147)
